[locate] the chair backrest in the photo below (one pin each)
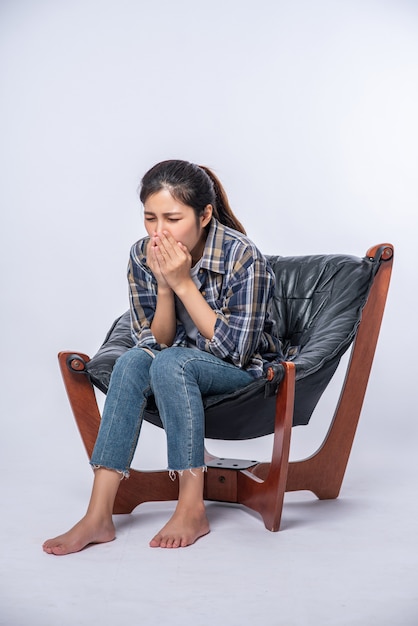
(317, 307)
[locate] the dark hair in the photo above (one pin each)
(193, 185)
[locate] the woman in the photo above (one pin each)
(200, 294)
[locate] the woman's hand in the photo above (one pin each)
(153, 264)
(171, 261)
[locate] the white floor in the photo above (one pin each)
(351, 561)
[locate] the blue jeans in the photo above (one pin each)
(178, 378)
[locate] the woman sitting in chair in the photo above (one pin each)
(200, 294)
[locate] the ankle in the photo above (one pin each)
(98, 518)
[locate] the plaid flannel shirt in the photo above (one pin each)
(235, 281)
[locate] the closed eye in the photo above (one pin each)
(150, 217)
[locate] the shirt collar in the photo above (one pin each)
(213, 255)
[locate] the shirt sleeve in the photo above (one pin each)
(143, 301)
(240, 323)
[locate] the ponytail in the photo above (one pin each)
(222, 209)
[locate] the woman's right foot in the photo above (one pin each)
(84, 533)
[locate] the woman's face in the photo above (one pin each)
(162, 212)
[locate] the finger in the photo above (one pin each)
(182, 247)
(169, 247)
(169, 237)
(155, 261)
(151, 253)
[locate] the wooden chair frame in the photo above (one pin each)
(259, 486)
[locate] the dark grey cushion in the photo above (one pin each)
(317, 306)
(117, 341)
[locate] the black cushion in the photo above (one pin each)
(317, 307)
(117, 341)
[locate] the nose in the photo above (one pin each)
(157, 227)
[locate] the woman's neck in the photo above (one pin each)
(199, 248)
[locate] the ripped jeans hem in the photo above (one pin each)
(123, 473)
(173, 473)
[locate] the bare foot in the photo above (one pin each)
(85, 532)
(182, 529)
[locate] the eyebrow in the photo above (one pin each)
(167, 214)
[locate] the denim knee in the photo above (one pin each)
(165, 366)
(130, 364)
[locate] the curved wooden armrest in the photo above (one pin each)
(81, 395)
(382, 251)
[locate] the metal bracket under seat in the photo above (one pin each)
(235, 464)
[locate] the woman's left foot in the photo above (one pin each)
(184, 528)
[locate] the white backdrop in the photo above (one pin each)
(306, 110)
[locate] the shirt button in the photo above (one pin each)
(203, 293)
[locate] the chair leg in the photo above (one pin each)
(267, 497)
(81, 396)
(323, 472)
(264, 495)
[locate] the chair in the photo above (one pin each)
(323, 304)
